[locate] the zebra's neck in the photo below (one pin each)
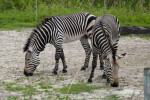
(42, 35)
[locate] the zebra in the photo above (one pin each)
(105, 38)
(56, 31)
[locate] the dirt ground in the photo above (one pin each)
(130, 72)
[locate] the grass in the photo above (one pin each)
(58, 97)
(13, 98)
(26, 89)
(46, 88)
(144, 36)
(111, 97)
(60, 79)
(78, 88)
(44, 85)
(30, 90)
(11, 87)
(121, 89)
(147, 37)
(18, 19)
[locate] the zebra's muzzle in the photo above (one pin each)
(27, 74)
(115, 84)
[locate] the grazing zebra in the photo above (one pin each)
(105, 38)
(56, 31)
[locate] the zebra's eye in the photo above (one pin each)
(28, 58)
(107, 58)
(28, 55)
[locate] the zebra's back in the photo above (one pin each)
(110, 35)
(74, 26)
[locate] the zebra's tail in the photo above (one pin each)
(109, 39)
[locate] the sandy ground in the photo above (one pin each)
(130, 73)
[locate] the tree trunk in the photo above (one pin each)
(124, 30)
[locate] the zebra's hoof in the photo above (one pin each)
(64, 71)
(104, 76)
(55, 72)
(101, 67)
(83, 68)
(108, 81)
(89, 80)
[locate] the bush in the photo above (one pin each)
(21, 13)
(6, 5)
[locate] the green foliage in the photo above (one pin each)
(78, 88)
(16, 14)
(23, 4)
(6, 5)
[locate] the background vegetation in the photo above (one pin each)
(21, 13)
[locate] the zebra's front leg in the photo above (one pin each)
(64, 62)
(57, 57)
(94, 64)
(87, 48)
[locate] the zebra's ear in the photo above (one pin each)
(30, 49)
(120, 56)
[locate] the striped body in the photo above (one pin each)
(56, 31)
(104, 42)
(72, 25)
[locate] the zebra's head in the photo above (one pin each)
(112, 69)
(31, 61)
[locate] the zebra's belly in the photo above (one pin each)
(68, 38)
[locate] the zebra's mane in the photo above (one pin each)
(26, 47)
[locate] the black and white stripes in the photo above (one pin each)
(104, 42)
(56, 31)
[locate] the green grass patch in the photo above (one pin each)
(30, 90)
(60, 79)
(121, 89)
(57, 97)
(78, 88)
(44, 85)
(147, 37)
(17, 18)
(26, 89)
(13, 98)
(111, 97)
(11, 87)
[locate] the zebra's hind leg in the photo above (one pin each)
(101, 62)
(57, 57)
(64, 62)
(104, 75)
(87, 48)
(108, 81)
(102, 66)
(94, 63)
